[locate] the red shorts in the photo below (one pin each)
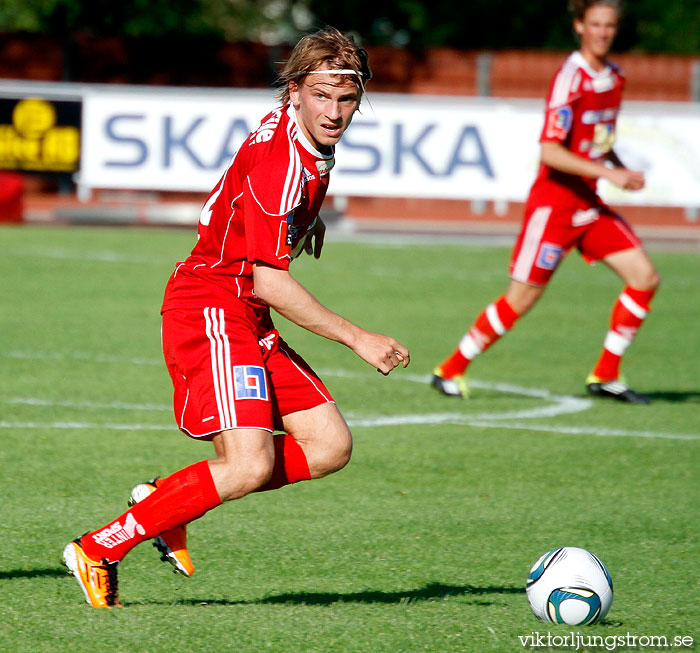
(549, 232)
(228, 372)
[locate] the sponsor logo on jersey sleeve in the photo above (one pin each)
(559, 122)
(266, 130)
(250, 382)
(549, 256)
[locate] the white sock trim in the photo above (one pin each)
(632, 306)
(615, 343)
(468, 347)
(494, 319)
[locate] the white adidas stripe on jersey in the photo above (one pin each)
(292, 186)
(566, 77)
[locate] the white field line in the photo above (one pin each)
(561, 404)
(85, 425)
(111, 405)
(77, 356)
(577, 430)
(555, 405)
(104, 256)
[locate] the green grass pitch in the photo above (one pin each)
(424, 542)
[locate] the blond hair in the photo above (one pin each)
(327, 46)
(579, 7)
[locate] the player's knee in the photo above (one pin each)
(341, 451)
(243, 476)
(331, 455)
(654, 280)
(257, 472)
(648, 279)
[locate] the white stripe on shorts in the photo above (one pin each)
(531, 243)
(221, 366)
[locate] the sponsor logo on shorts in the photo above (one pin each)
(267, 342)
(250, 382)
(549, 256)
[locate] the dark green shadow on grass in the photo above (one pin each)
(676, 396)
(431, 592)
(33, 573)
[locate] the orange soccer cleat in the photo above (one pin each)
(172, 544)
(98, 580)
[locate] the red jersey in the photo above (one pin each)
(581, 113)
(260, 210)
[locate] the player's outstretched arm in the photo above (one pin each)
(558, 157)
(293, 301)
(622, 176)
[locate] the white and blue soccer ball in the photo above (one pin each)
(571, 586)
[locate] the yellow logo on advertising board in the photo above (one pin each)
(34, 142)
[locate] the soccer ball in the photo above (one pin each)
(569, 586)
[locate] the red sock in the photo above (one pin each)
(290, 466)
(627, 316)
(492, 323)
(180, 498)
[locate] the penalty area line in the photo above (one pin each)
(555, 405)
(594, 431)
(560, 405)
(458, 419)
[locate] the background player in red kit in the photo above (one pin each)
(235, 379)
(563, 211)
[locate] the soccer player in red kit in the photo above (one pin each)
(564, 211)
(236, 381)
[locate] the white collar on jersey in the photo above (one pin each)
(306, 144)
(582, 63)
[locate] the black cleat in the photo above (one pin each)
(453, 387)
(615, 389)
